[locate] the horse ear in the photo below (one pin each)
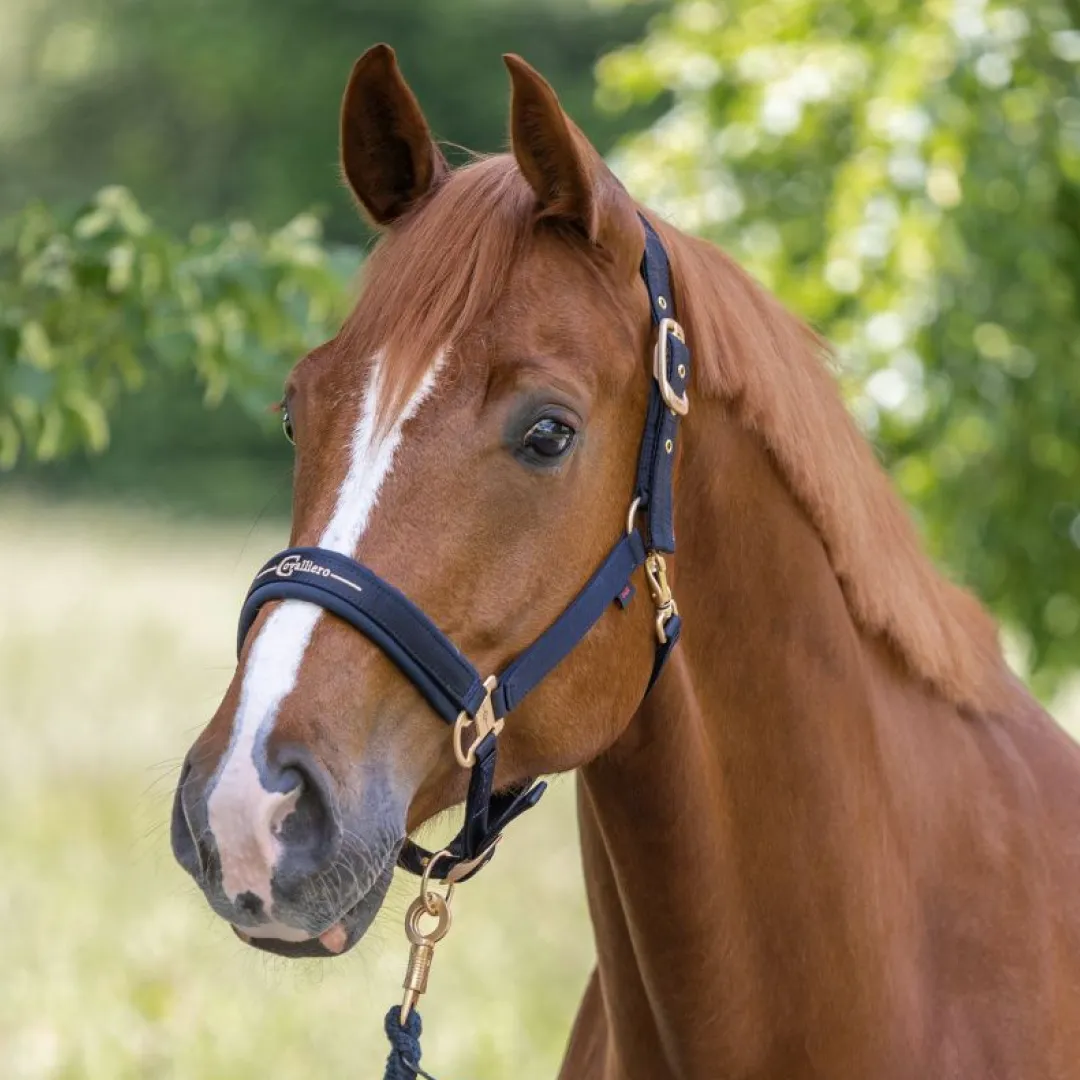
(387, 154)
(569, 176)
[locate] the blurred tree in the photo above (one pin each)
(216, 109)
(906, 176)
(89, 304)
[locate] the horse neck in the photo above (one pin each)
(739, 836)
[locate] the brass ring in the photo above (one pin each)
(425, 884)
(632, 515)
(417, 909)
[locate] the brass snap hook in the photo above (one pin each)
(660, 590)
(423, 945)
(432, 905)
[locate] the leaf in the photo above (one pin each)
(51, 434)
(91, 414)
(35, 346)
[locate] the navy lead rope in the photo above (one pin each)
(449, 682)
(404, 1060)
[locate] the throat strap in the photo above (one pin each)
(532, 666)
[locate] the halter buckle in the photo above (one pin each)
(677, 403)
(460, 871)
(484, 721)
(663, 601)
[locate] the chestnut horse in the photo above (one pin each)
(837, 839)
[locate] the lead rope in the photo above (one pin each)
(402, 1023)
(404, 1060)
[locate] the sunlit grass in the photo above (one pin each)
(116, 633)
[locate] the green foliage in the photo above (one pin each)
(90, 304)
(216, 109)
(906, 176)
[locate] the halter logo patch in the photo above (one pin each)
(295, 564)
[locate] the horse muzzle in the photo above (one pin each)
(296, 867)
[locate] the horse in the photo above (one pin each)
(837, 838)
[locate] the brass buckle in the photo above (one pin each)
(484, 722)
(677, 403)
(463, 869)
(663, 601)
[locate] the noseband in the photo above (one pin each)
(476, 708)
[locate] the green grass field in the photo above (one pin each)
(116, 637)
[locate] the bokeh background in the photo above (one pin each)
(173, 236)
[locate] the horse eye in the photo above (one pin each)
(286, 423)
(549, 438)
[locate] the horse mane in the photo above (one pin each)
(443, 269)
(772, 369)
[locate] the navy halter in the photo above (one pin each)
(475, 707)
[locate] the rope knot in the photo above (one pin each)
(404, 1060)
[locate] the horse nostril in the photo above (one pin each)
(250, 904)
(306, 825)
(245, 838)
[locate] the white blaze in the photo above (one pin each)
(244, 816)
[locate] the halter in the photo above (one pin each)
(475, 707)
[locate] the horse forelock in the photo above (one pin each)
(441, 271)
